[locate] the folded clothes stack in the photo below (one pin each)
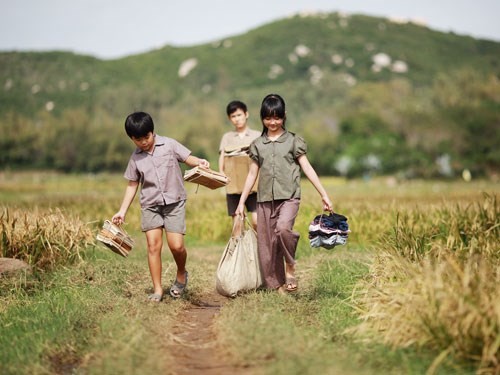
(328, 231)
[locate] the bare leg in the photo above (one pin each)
(290, 270)
(155, 242)
(176, 245)
(291, 281)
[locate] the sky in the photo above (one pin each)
(110, 29)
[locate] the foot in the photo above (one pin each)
(290, 280)
(155, 297)
(177, 289)
(291, 284)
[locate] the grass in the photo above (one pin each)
(434, 284)
(91, 315)
(43, 238)
(305, 334)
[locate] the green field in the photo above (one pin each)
(414, 291)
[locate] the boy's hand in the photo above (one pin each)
(118, 218)
(204, 163)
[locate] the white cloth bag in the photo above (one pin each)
(239, 269)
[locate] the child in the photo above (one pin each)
(155, 166)
(278, 155)
(234, 161)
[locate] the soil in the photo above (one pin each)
(195, 343)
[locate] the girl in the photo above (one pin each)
(277, 157)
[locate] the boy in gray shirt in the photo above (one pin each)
(154, 165)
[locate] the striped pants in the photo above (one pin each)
(276, 239)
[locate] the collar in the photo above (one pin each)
(246, 132)
(159, 141)
(282, 138)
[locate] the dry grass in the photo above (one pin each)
(42, 238)
(434, 283)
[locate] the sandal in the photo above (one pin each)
(291, 284)
(177, 289)
(155, 297)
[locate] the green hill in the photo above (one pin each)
(369, 95)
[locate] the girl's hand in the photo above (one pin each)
(327, 204)
(239, 211)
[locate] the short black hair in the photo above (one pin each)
(139, 124)
(273, 105)
(234, 106)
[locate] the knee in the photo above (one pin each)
(154, 241)
(175, 243)
(177, 248)
(154, 247)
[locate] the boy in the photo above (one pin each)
(234, 161)
(155, 166)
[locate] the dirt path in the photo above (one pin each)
(193, 343)
(194, 347)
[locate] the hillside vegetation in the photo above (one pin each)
(370, 96)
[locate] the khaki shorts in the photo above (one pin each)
(172, 217)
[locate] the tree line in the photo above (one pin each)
(373, 128)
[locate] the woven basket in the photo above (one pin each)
(115, 238)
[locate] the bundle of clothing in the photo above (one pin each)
(328, 231)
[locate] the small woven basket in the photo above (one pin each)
(115, 238)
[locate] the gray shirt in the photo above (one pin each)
(159, 173)
(279, 174)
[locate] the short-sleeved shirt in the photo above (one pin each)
(159, 173)
(279, 174)
(236, 167)
(233, 138)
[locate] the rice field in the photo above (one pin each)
(418, 278)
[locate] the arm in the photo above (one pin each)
(221, 162)
(313, 177)
(130, 192)
(194, 161)
(253, 172)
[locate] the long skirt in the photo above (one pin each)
(276, 239)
